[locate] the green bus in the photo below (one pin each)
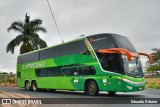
(100, 62)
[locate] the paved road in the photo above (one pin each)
(80, 94)
(72, 94)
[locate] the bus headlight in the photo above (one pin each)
(132, 82)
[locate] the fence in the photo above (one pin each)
(7, 79)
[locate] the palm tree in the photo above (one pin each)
(28, 37)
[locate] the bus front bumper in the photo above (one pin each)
(130, 86)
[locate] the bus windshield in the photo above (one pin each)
(132, 68)
(110, 62)
(105, 41)
(119, 63)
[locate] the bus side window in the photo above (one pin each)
(91, 70)
(68, 71)
(75, 70)
(41, 72)
(59, 72)
(37, 72)
(87, 70)
(51, 72)
(81, 71)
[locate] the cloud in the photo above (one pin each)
(137, 19)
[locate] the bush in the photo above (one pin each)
(153, 68)
(153, 83)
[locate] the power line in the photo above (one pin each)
(54, 20)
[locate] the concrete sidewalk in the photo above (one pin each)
(13, 95)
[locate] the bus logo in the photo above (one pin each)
(6, 101)
(91, 40)
(33, 65)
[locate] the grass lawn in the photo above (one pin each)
(153, 82)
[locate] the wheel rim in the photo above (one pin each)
(91, 88)
(27, 86)
(34, 87)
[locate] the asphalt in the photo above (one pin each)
(148, 93)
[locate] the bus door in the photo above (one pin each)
(114, 82)
(112, 63)
(71, 80)
(114, 77)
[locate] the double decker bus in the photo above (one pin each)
(100, 62)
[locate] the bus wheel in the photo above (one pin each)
(34, 86)
(27, 86)
(92, 88)
(111, 93)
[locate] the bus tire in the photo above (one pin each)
(27, 86)
(92, 88)
(34, 86)
(112, 93)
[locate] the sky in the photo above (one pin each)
(136, 19)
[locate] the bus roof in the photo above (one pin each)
(79, 38)
(52, 46)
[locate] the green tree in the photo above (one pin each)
(156, 58)
(152, 68)
(155, 54)
(28, 36)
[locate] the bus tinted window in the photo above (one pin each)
(62, 50)
(68, 71)
(110, 62)
(104, 41)
(87, 70)
(48, 53)
(101, 42)
(71, 48)
(123, 42)
(76, 47)
(48, 72)
(41, 72)
(58, 69)
(28, 57)
(51, 72)
(90, 70)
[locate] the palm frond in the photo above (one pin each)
(36, 22)
(10, 46)
(35, 35)
(15, 42)
(19, 39)
(16, 26)
(34, 38)
(39, 28)
(42, 43)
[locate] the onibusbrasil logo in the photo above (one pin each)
(21, 101)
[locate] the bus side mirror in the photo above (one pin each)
(149, 56)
